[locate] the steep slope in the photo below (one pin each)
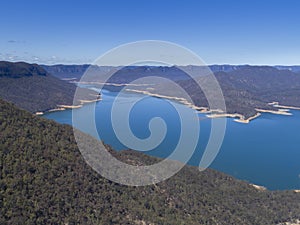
(120, 74)
(245, 87)
(32, 88)
(66, 71)
(44, 180)
(76, 71)
(249, 87)
(267, 84)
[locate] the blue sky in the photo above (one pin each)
(219, 31)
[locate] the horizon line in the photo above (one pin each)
(90, 64)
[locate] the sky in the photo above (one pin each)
(258, 32)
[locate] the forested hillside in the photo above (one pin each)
(44, 180)
(245, 88)
(32, 88)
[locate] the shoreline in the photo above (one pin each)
(217, 113)
(286, 107)
(184, 101)
(64, 107)
(258, 187)
(211, 113)
(239, 117)
(112, 84)
(279, 112)
(249, 119)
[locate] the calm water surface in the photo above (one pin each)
(265, 152)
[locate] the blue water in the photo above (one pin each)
(265, 152)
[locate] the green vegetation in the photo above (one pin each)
(30, 87)
(44, 180)
(245, 88)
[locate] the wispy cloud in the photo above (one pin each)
(26, 56)
(16, 42)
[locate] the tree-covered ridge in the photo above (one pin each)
(44, 180)
(245, 88)
(20, 69)
(30, 87)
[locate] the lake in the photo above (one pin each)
(264, 152)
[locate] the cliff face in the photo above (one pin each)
(30, 87)
(20, 69)
(66, 71)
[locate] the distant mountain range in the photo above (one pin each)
(76, 71)
(295, 69)
(32, 88)
(246, 88)
(45, 180)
